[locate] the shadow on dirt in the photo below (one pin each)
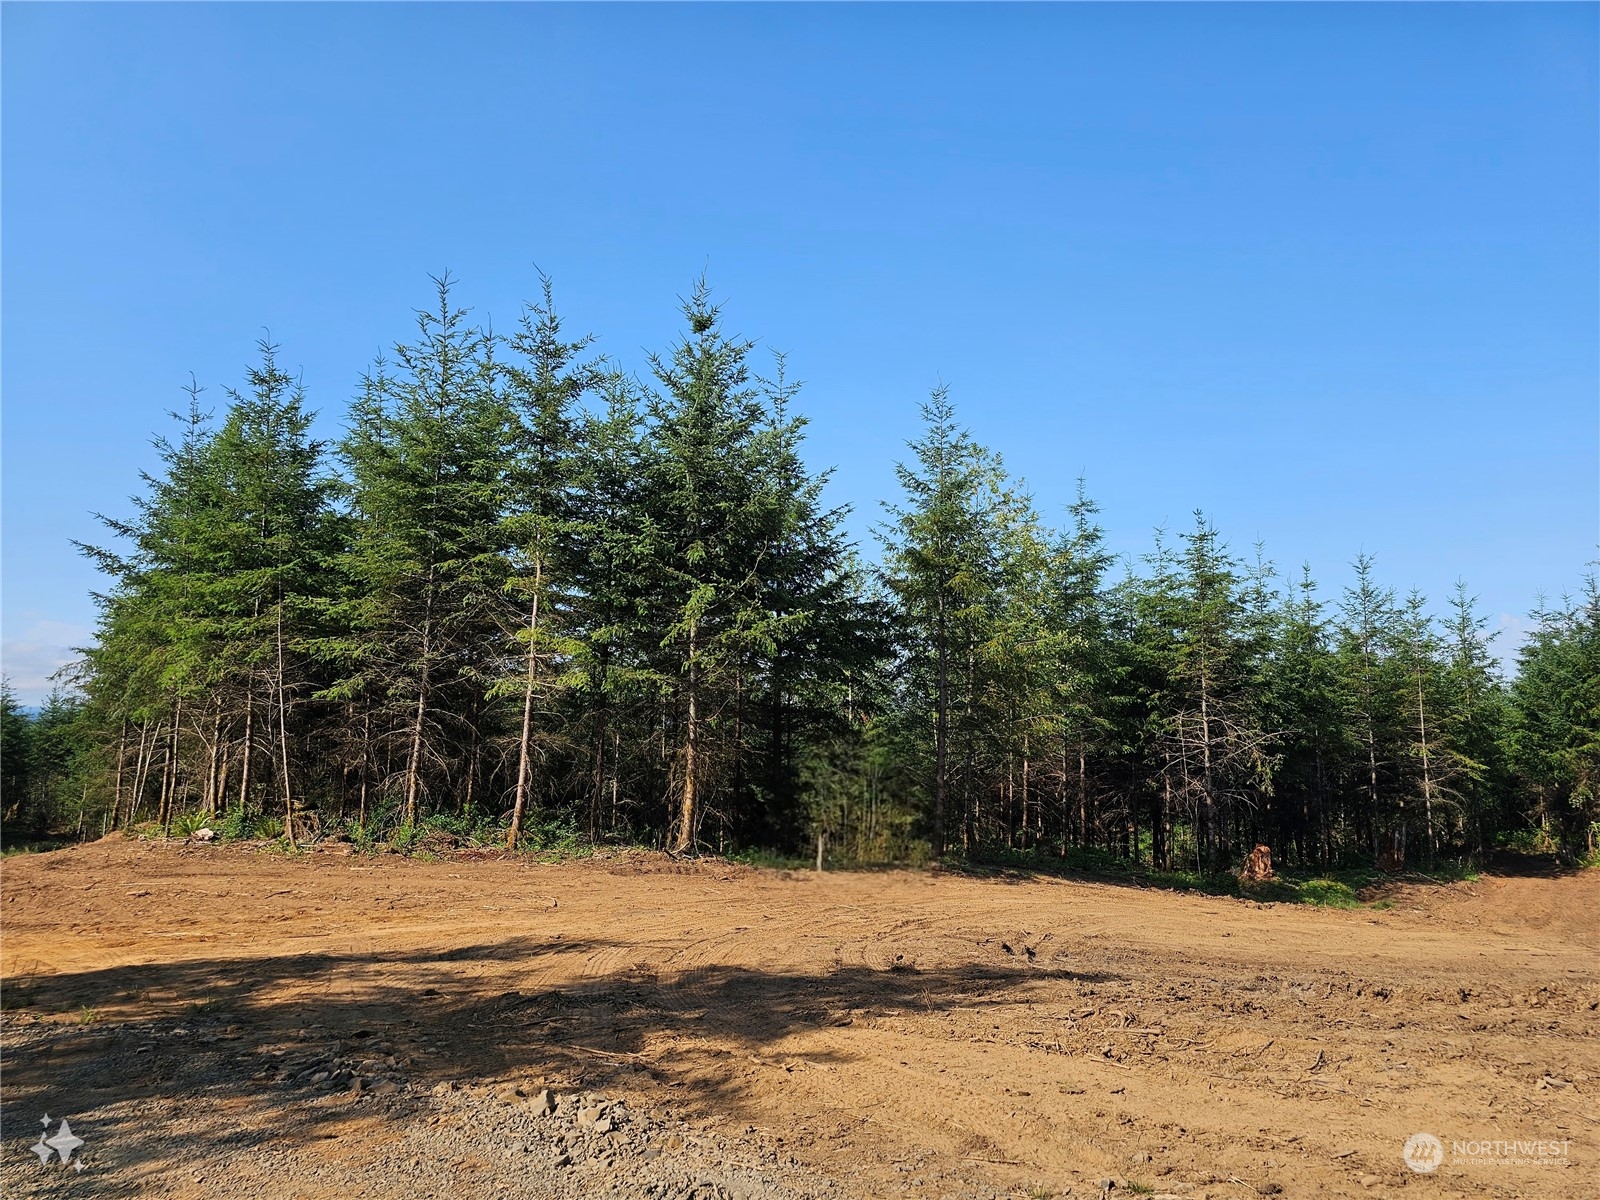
(1517, 865)
(164, 1041)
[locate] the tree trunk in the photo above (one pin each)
(283, 737)
(616, 768)
(597, 790)
(688, 813)
(141, 769)
(1427, 773)
(122, 750)
(1083, 799)
(366, 764)
(169, 775)
(249, 751)
(414, 759)
(474, 763)
(971, 797)
(1206, 783)
(1026, 766)
(524, 743)
(1372, 786)
(941, 737)
(219, 798)
(213, 753)
(1166, 822)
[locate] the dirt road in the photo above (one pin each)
(224, 1022)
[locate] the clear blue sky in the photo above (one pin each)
(1329, 273)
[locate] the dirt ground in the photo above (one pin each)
(222, 1021)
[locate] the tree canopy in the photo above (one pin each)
(530, 595)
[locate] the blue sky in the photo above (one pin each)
(1327, 272)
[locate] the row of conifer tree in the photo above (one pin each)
(534, 596)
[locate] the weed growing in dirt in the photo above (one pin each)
(88, 1016)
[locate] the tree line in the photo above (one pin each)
(533, 598)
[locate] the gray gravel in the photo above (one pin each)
(324, 1116)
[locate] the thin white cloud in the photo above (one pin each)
(43, 648)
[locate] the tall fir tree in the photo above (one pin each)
(429, 454)
(544, 384)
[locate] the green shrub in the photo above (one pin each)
(185, 824)
(404, 837)
(455, 826)
(556, 835)
(1529, 841)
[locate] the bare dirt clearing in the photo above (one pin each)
(220, 1022)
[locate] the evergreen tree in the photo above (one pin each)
(543, 389)
(716, 518)
(1089, 699)
(1555, 731)
(938, 565)
(1371, 692)
(1302, 694)
(616, 662)
(808, 678)
(1475, 720)
(429, 455)
(16, 759)
(1217, 751)
(152, 650)
(1433, 765)
(271, 547)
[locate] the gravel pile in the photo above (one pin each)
(539, 1143)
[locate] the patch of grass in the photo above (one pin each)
(1140, 1189)
(41, 846)
(554, 839)
(757, 856)
(1328, 893)
(88, 1016)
